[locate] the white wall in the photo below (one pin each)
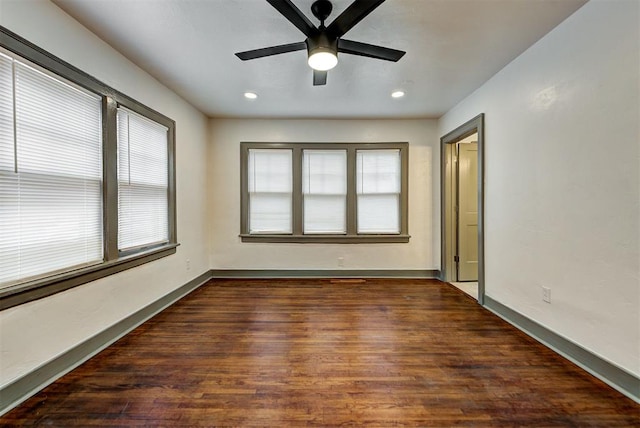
(224, 160)
(563, 180)
(33, 333)
(562, 189)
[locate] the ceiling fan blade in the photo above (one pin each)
(371, 51)
(352, 15)
(272, 50)
(319, 78)
(293, 14)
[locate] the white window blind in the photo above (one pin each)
(7, 143)
(324, 187)
(143, 177)
(50, 174)
(378, 189)
(270, 190)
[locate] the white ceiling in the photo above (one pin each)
(453, 46)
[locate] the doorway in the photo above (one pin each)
(466, 228)
(462, 207)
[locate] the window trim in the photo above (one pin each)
(113, 260)
(351, 236)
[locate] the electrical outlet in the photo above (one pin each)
(188, 264)
(340, 261)
(546, 294)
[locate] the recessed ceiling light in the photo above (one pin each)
(397, 94)
(250, 95)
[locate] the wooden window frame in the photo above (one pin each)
(114, 261)
(351, 236)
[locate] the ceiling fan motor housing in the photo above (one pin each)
(322, 42)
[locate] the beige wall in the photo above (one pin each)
(563, 180)
(34, 333)
(224, 195)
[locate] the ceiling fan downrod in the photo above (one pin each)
(321, 9)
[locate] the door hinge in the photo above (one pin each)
(456, 259)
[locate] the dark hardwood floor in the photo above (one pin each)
(290, 353)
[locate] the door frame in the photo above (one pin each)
(447, 248)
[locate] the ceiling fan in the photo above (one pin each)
(324, 43)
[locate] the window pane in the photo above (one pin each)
(378, 171)
(270, 190)
(51, 206)
(270, 213)
(378, 188)
(324, 185)
(325, 214)
(270, 170)
(378, 213)
(324, 172)
(143, 177)
(57, 126)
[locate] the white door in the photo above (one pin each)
(468, 212)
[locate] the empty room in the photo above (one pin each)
(320, 213)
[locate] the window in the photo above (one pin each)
(87, 183)
(270, 191)
(142, 182)
(50, 174)
(378, 184)
(324, 192)
(324, 186)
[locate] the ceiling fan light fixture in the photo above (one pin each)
(322, 59)
(324, 42)
(323, 51)
(250, 95)
(397, 94)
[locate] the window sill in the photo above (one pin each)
(327, 239)
(32, 290)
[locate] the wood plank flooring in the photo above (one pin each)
(291, 353)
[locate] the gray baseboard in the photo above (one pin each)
(21, 389)
(324, 273)
(616, 377)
